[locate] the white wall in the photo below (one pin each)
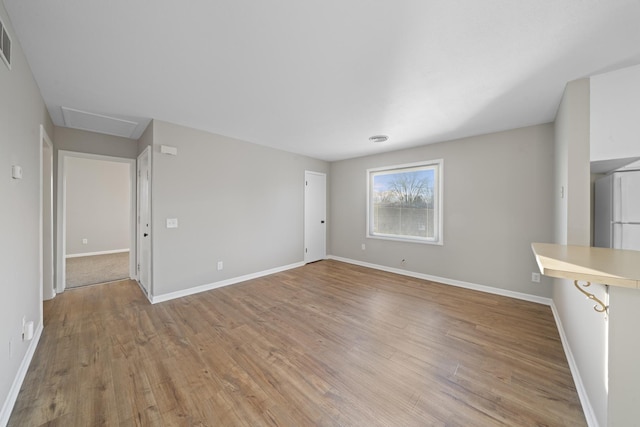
(22, 110)
(97, 205)
(497, 200)
(235, 202)
(615, 109)
(585, 329)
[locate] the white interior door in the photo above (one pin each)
(144, 220)
(315, 213)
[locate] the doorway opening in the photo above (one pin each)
(96, 219)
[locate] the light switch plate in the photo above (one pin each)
(172, 222)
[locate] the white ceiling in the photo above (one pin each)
(319, 77)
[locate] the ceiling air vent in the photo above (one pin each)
(5, 45)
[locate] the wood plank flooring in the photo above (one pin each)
(328, 344)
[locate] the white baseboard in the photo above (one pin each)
(589, 414)
(7, 407)
(115, 251)
(453, 282)
(202, 288)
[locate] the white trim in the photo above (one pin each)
(61, 225)
(438, 164)
(6, 60)
(589, 414)
(452, 282)
(115, 251)
(10, 401)
(148, 152)
(46, 141)
(202, 288)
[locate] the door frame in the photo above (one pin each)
(46, 217)
(63, 155)
(306, 209)
(139, 239)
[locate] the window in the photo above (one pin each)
(405, 202)
(5, 45)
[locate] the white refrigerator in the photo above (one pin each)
(617, 211)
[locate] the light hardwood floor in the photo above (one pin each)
(328, 344)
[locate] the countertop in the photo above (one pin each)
(614, 267)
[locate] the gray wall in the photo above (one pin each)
(235, 202)
(585, 329)
(496, 202)
(83, 141)
(22, 111)
(98, 205)
(146, 139)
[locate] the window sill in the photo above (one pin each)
(406, 240)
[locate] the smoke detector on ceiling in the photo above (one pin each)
(378, 138)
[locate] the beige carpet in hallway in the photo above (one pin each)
(89, 270)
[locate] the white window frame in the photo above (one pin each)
(438, 167)
(4, 35)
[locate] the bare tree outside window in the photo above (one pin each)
(403, 203)
(412, 189)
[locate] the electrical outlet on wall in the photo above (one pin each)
(220, 265)
(535, 277)
(85, 241)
